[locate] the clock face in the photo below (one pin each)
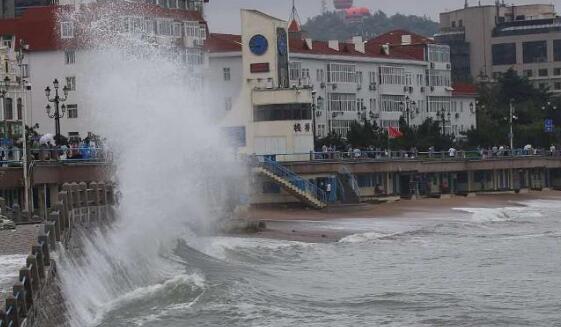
(282, 44)
(258, 45)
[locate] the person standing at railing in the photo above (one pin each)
(552, 149)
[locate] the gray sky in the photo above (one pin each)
(224, 16)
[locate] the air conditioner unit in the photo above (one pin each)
(448, 66)
(411, 89)
(422, 89)
(432, 65)
(322, 85)
(318, 113)
(432, 88)
(334, 86)
(405, 89)
(358, 87)
(372, 87)
(457, 116)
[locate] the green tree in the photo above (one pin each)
(494, 107)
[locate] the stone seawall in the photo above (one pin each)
(36, 298)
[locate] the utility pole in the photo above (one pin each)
(511, 117)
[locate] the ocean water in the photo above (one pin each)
(9, 272)
(478, 267)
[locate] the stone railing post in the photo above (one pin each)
(44, 243)
(37, 251)
(25, 277)
(31, 263)
(19, 292)
(11, 301)
(54, 217)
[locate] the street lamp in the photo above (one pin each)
(408, 106)
(19, 57)
(57, 100)
(443, 115)
(4, 87)
(314, 117)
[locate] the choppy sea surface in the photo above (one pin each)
(480, 267)
(477, 267)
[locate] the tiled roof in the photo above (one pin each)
(39, 28)
(232, 43)
(223, 43)
(464, 89)
(395, 37)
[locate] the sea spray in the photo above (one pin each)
(171, 164)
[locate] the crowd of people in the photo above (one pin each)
(45, 148)
(330, 152)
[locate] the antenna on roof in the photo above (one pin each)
(466, 5)
(323, 6)
(294, 23)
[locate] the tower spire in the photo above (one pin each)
(294, 23)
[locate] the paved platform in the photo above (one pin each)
(18, 241)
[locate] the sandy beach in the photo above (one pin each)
(295, 224)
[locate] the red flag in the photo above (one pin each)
(394, 133)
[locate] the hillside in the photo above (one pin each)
(332, 25)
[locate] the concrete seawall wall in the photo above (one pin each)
(36, 299)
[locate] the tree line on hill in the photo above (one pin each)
(532, 107)
(334, 26)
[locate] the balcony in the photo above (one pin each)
(262, 97)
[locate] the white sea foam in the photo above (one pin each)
(170, 163)
(9, 265)
(363, 237)
(482, 215)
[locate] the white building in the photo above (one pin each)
(55, 52)
(396, 74)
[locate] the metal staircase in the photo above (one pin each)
(293, 184)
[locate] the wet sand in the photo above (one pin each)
(290, 223)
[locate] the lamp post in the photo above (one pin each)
(548, 123)
(19, 57)
(314, 117)
(57, 100)
(511, 118)
(408, 106)
(4, 87)
(443, 116)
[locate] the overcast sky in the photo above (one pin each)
(224, 15)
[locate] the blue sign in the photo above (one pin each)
(548, 125)
(258, 45)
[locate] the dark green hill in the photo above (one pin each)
(333, 25)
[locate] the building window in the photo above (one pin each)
(504, 54)
(19, 108)
(177, 27)
(194, 57)
(439, 77)
(320, 76)
(277, 112)
(391, 103)
(66, 30)
(556, 50)
(392, 75)
(359, 78)
(228, 104)
(341, 73)
(173, 4)
(8, 109)
(360, 104)
(384, 123)
(294, 70)
(439, 53)
(556, 71)
(528, 73)
(7, 41)
(226, 72)
(306, 75)
(542, 86)
(535, 51)
(341, 127)
(194, 29)
(542, 72)
(71, 83)
(25, 70)
(69, 56)
(342, 102)
(420, 80)
(373, 105)
(436, 104)
(72, 111)
(557, 86)
(372, 77)
(164, 27)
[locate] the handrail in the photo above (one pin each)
(299, 182)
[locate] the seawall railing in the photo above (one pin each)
(77, 204)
